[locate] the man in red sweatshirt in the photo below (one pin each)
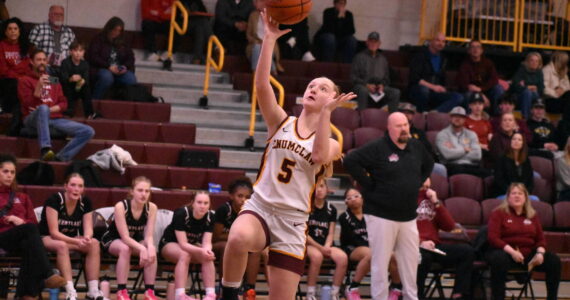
(43, 102)
(432, 217)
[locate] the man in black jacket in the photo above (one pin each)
(231, 24)
(391, 171)
(427, 79)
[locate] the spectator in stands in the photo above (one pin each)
(230, 24)
(354, 241)
(53, 37)
(507, 105)
(74, 77)
(458, 146)
(43, 104)
(427, 79)
(336, 34)
(543, 132)
(188, 239)
(528, 82)
(63, 232)
(14, 63)
(370, 75)
(131, 232)
(255, 32)
(502, 137)
(562, 169)
(19, 235)
(156, 16)
(477, 74)
(477, 121)
(320, 243)
(556, 83)
(111, 59)
(514, 166)
(199, 28)
(4, 14)
(240, 190)
(295, 44)
(433, 217)
(517, 241)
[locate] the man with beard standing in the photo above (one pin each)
(390, 171)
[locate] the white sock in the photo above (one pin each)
(179, 292)
(93, 287)
(69, 287)
(210, 290)
(231, 284)
(311, 290)
(335, 289)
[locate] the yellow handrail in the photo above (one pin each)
(339, 137)
(177, 5)
(210, 62)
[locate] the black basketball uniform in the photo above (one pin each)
(135, 227)
(319, 222)
(70, 225)
(183, 220)
(353, 232)
(226, 216)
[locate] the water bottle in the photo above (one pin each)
(105, 288)
(326, 292)
(53, 294)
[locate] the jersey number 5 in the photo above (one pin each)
(286, 171)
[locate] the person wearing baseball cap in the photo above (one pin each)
(370, 76)
(543, 132)
(477, 121)
(458, 147)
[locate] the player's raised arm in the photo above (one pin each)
(272, 113)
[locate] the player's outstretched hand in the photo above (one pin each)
(338, 100)
(272, 27)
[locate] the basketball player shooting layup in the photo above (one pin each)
(298, 152)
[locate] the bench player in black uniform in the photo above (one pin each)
(131, 232)
(322, 223)
(67, 225)
(188, 239)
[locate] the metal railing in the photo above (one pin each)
(174, 26)
(211, 63)
(514, 23)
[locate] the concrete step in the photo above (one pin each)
(180, 78)
(240, 159)
(228, 137)
(180, 95)
(157, 65)
(214, 118)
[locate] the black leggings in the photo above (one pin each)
(25, 240)
(500, 262)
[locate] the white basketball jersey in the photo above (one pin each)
(287, 175)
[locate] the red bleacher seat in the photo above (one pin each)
(430, 136)
(39, 193)
(464, 211)
(542, 189)
(543, 166)
(562, 215)
(440, 185)
(364, 135)
(344, 72)
(437, 120)
(289, 83)
(348, 139)
(487, 207)
(556, 241)
(162, 154)
(117, 194)
(224, 176)
(157, 174)
(107, 129)
(171, 199)
(321, 68)
(118, 110)
(544, 213)
(466, 185)
(114, 178)
(297, 109)
(374, 117)
(99, 197)
(91, 148)
(12, 145)
(141, 131)
(295, 68)
(152, 112)
(489, 186)
(190, 178)
(217, 199)
(345, 117)
(178, 133)
(243, 81)
(419, 121)
(59, 169)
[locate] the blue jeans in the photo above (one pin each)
(40, 120)
(525, 98)
(427, 99)
(105, 79)
(329, 44)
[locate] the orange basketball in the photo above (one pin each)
(288, 12)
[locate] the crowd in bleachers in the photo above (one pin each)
(484, 148)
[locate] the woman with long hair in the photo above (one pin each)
(516, 239)
(131, 232)
(111, 59)
(67, 225)
(188, 239)
(528, 82)
(556, 83)
(299, 151)
(14, 62)
(19, 234)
